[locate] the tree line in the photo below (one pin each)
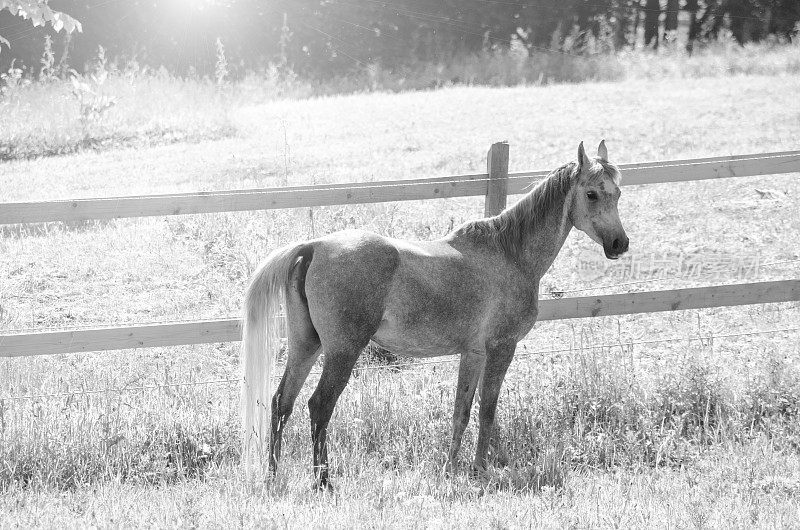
(322, 38)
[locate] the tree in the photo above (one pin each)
(40, 14)
(671, 20)
(694, 25)
(651, 14)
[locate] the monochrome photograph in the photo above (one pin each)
(400, 264)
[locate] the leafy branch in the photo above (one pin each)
(40, 14)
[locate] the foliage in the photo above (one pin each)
(334, 38)
(12, 79)
(93, 103)
(40, 14)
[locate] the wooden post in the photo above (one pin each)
(497, 189)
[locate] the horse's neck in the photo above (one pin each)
(530, 233)
(543, 241)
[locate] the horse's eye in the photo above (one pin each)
(591, 195)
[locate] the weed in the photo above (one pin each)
(221, 64)
(47, 74)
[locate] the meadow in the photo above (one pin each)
(686, 419)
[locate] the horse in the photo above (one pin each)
(473, 292)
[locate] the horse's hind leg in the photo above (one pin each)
(303, 351)
(336, 370)
(298, 365)
(469, 372)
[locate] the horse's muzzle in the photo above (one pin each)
(616, 247)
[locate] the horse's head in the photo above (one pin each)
(594, 202)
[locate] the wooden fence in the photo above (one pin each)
(496, 184)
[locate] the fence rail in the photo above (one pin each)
(227, 330)
(386, 191)
(447, 359)
(496, 184)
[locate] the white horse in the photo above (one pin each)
(474, 292)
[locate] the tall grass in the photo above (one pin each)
(140, 107)
(519, 67)
(119, 109)
(585, 409)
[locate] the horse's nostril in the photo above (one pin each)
(616, 245)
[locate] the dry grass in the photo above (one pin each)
(720, 59)
(49, 119)
(594, 441)
(684, 433)
(738, 487)
(154, 108)
(517, 67)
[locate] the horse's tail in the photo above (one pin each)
(259, 347)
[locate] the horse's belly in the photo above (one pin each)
(417, 342)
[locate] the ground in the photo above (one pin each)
(604, 427)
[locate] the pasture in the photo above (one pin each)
(685, 419)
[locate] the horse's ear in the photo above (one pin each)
(583, 160)
(602, 152)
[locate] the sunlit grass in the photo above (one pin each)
(739, 486)
(688, 435)
(45, 119)
(685, 433)
(156, 108)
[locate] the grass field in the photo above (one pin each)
(602, 427)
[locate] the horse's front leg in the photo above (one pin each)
(469, 373)
(498, 358)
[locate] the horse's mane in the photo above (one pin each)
(507, 230)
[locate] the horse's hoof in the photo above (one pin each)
(449, 469)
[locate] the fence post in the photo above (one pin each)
(497, 188)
